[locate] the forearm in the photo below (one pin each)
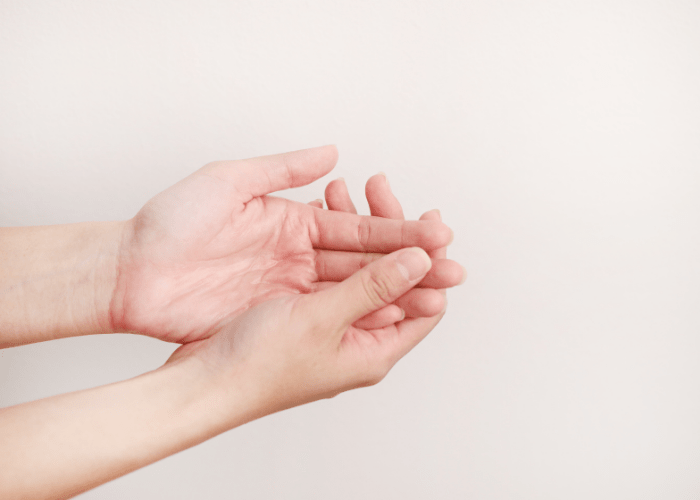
(63, 445)
(56, 281)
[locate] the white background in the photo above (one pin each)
(561, 141)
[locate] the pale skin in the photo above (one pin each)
(275, 303)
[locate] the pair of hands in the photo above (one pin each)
(295, 302)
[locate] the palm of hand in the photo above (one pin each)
(197, 255)
(300, 347)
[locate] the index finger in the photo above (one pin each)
(360, 233)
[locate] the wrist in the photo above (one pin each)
(92, 256)
(63, 445)
(218, 401)
(57, 281)
(103, 265)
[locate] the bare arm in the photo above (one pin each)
(282, 353)
(195, 256)
(63, 445)
(56, 281)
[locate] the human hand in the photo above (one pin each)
(428, 298)
(215, 244)
(288, 352)
(300, 348)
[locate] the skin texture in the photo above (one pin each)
(332, 301)
(382, 203)
(198, 254)
(56, 281)
(216, 244)
(317, 345)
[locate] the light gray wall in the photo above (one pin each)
(561, 140)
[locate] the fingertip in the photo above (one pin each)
(435, 234)
(381, 318)
(317, 203)
(332, 151)
(445, 234)
(382, 201)
(338, 196)
(438, 304)
(433, 214)
(464, 276)
(422, 303)
(413, 263)
(374, 183)
(335, 184)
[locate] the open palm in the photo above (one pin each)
(216, 244)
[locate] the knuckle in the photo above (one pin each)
(364, 230)
(367, 258)
(288, 170)
(321, 265)
(378, 289)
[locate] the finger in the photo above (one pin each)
(379, 319)
(441, 253)
(411, 331)
(335, 265)
(322, 285)
(338, 197)
(438, 253)
(370, 289)
(267, 174)
(349, 232)
(347, 263)
(316, 203)
(382, 202)
(422, 302)
(416, 303)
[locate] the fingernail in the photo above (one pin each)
(341, 179)
(319, 200)
(386, 179)
(413, 263)
(464, 276)
(434, 211)
(403, 315)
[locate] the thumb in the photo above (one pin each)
(375, 285)
(266, 174)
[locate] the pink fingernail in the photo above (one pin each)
(413, 263)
